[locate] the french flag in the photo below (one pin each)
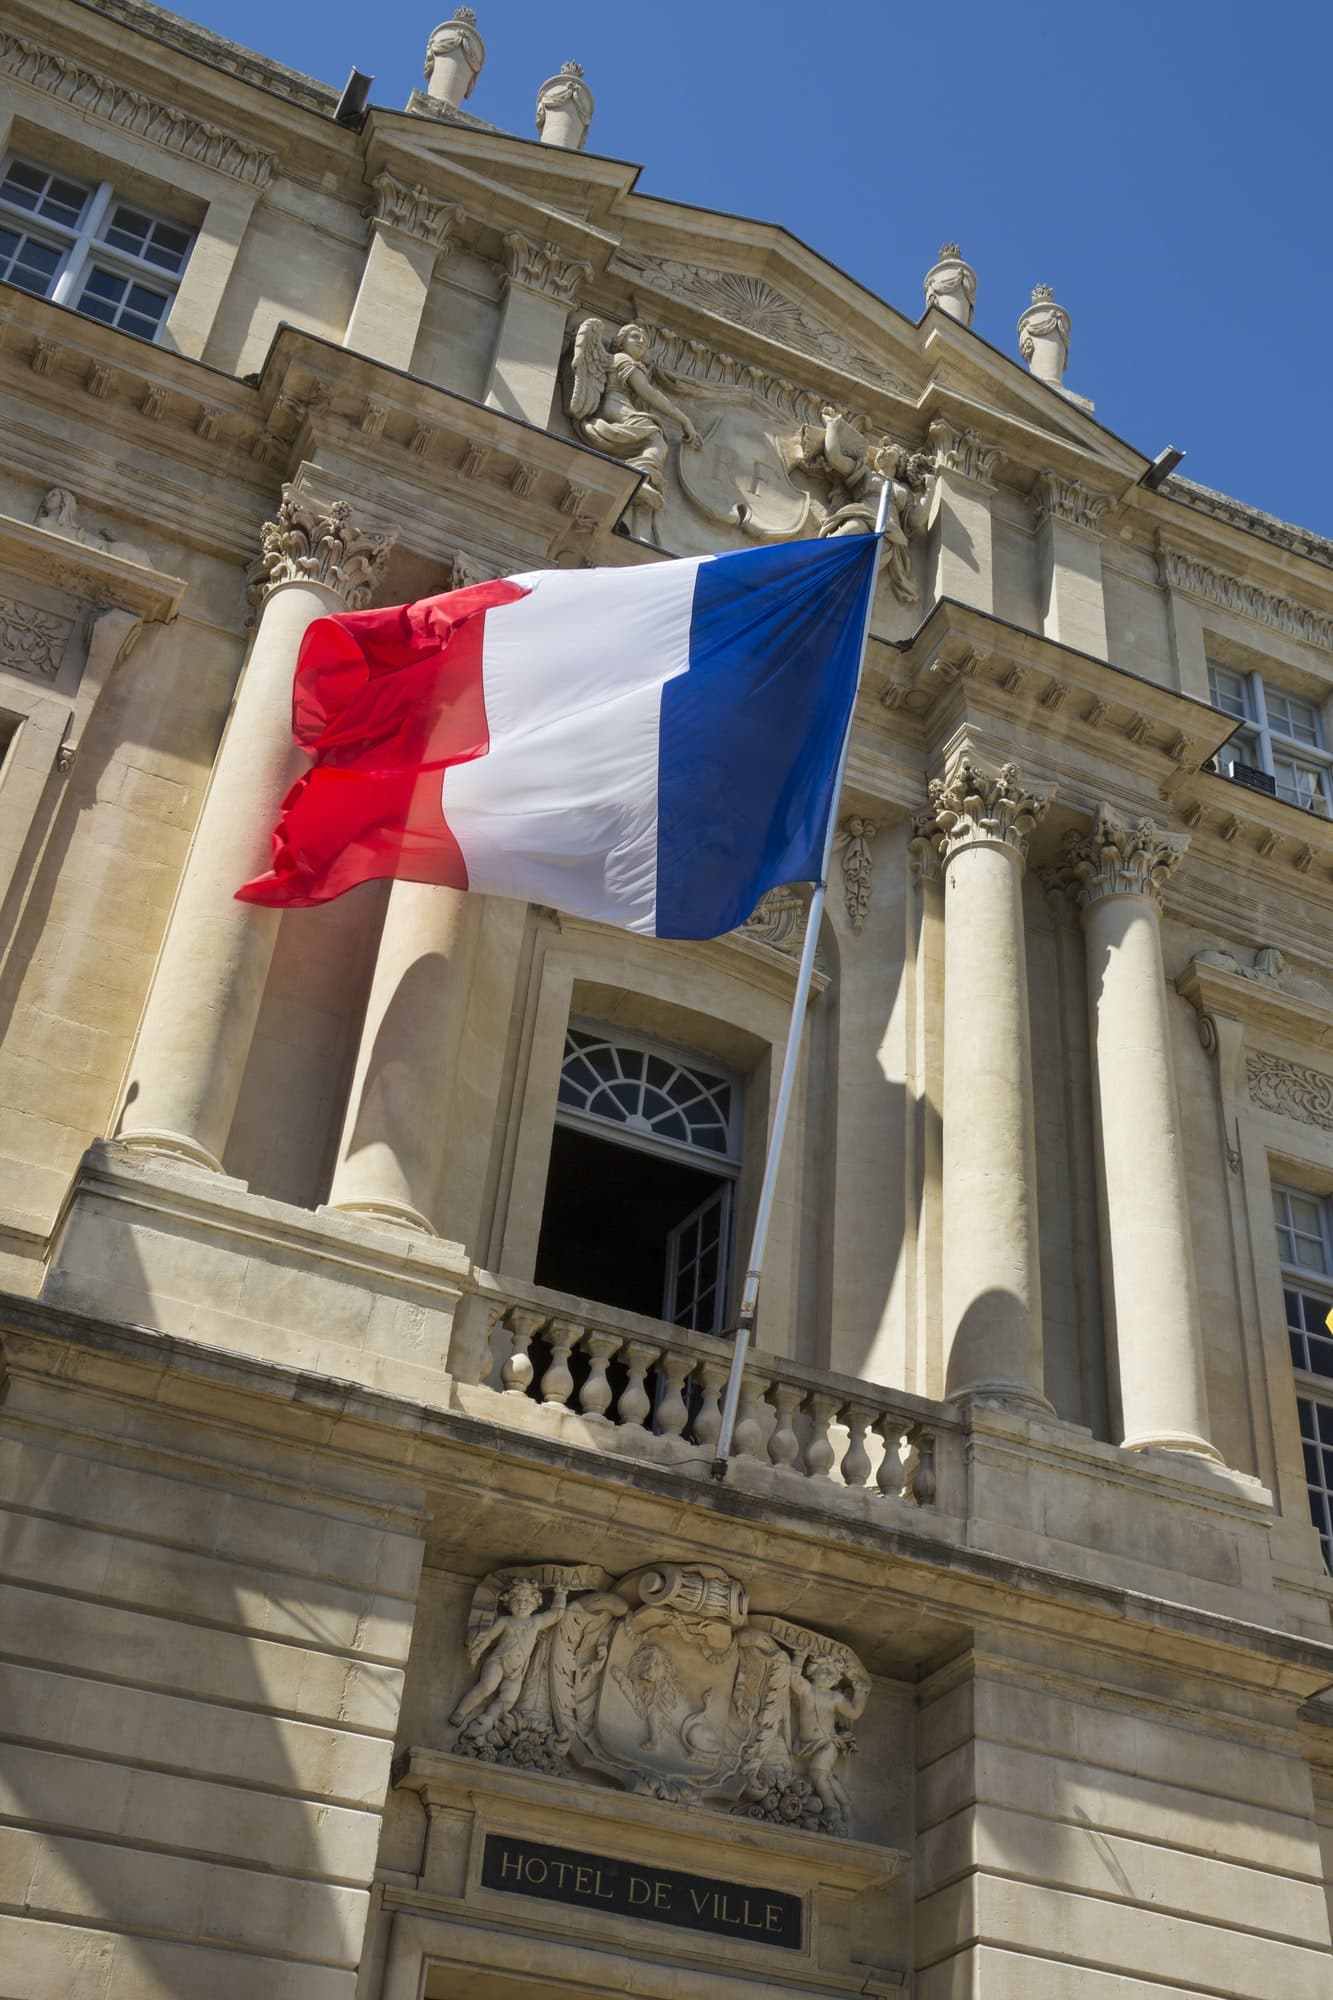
(652, 747)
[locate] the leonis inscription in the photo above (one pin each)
(633, 1889)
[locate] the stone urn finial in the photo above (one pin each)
(951, 284)
(454, 56)
(564, 109)
(1043, 338)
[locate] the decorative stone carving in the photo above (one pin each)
(761, 308)
(564, 109)
(310, 542)
(778, 919)
(850, 469)
(1043, 337)
(454, 56)
(664, 1682)
(923, 851)
(96, 95)
(1054, 497)
(1290, 1089)
(963, 451)
(968, 804)
(855, 837)
(542, 267)
(617, 404)
(1250, 600)
(1121, 858)
(32, 640)
(952, 285)
(414, 211)
(59, 512)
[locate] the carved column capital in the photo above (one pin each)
(1060, 499)
(542, 267)
(964, 451)
(970, 806)
(309, 541)
(414, 211)
(1120, 857)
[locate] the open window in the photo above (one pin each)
(640, 1196)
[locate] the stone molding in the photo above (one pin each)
(969, 805)
(855, 836)
(962, 451)
(1057, 498)
(414, 211)
(1118, 857)
(541, 267)
(96, 95)
(313, 542)
(1251, 520)
(759, 307)
(1180, 571)
(1290, 1089)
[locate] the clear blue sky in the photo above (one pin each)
(1164, 166)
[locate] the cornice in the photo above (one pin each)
(187, 38)
(1261, 1005)
(1252, 827)
(93, 575)
(94, 94)
(1250, 520)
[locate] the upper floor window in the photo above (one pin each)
(78, 243)
(640, 1194)
(1280, 745)
(1305, 1247)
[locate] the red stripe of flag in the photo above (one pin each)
(383, 702)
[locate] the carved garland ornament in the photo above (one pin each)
(165, 125)
(969, 804)
(32, 641)
(664, 1682)
(308, 542)
(1290, 1089)
(858, 866)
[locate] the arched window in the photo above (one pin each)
(640, 1196)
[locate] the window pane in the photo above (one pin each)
(1297, 783)
(1290, 716)
(1229, 691)
(29, 263)
(121, 302)
(45, 194)
(1319, 1468)
(128, 230)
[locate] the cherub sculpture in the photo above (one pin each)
(820, 1708)
(618, 405)
(511, 1640)
(851, 468)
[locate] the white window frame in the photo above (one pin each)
(1312, 1390)
(1270, 743)
(83, 247)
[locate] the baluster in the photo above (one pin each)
(635, 1402)
(748, 1436)
(672, 1410)
(892, 1476)
(923, 1478)
(856, 1459)
(784, 1447)
(819, 1453)
(516, 1375)
(557, 1384)
(708, 1422)
(595, 1395)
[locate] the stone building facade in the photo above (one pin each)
(372, 1624)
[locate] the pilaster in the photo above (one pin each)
(410, 231)
(541, 286)
(959, 558)
(1069, 562)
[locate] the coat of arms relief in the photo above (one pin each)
(662, 1681)
(739, 448)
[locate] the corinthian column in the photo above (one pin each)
(992, 1274)
(1148, 1278)
(195, 1034)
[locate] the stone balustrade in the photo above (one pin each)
(620, 1383)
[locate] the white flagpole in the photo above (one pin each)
(791, 1057)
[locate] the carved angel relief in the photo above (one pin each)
(618, 405)
(663, 1682)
